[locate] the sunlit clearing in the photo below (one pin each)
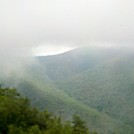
(45, 50)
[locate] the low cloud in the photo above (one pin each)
(27, 24)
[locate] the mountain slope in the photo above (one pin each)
(62, 66)
(103, 80)
(92, 83)
(108, 88)
(58, 102)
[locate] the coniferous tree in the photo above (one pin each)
(79, 126)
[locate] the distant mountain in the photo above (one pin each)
(96, 77)
(63, 66)
(95, 83)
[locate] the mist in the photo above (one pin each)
(28, 24)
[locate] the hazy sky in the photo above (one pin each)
(29, 26)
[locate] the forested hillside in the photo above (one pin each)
(94, 83)
(99, 78)
(58, 102)
(66, 66)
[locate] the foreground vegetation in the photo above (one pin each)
(18, 117)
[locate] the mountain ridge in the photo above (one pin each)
(87, 81)
(113, 69)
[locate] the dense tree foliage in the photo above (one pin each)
(18, 117)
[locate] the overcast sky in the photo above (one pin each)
(28, 25)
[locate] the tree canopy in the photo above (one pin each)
(18, 117)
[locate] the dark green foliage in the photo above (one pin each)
(79, 126)
(18, 117)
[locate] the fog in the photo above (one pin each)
(25, 25)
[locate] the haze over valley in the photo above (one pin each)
(72, 58)
(95, 83)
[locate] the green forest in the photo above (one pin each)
(17, 116)
(94, 85)
(66, 66)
